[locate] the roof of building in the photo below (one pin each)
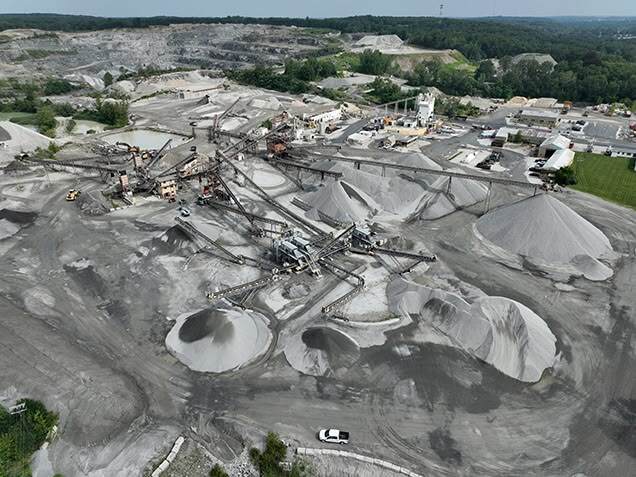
(503, 133)
(559, 159)
(405, 139)
(545, 102)
(556, 141)
(540, 113)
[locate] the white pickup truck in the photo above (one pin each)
(333, 436)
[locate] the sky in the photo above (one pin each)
(323, 8)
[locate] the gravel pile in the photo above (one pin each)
(441, 201)
(423, 196)
(497, 330)
(341, 201)
(217, 340)
(322, 351)
(543, 228)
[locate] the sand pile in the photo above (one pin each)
(216, 340)
(322, 351)
(406, 194)
(379, 41)
(21, 138)
(342, 202)
(497, 330)
(545, 229)
(438, 202)
(7, 229)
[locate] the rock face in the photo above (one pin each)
(545, 229)
(497, 330)
(216, 340)
(322, 351)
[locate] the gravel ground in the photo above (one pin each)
(88, 301)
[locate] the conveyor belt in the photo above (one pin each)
(347, 296)
(423, 170)
(191, 229)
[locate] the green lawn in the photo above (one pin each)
(612, 178)
(10, 115)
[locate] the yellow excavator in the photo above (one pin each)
(72, 194)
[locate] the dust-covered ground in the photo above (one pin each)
(88, 301)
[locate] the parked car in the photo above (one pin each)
(333, 436)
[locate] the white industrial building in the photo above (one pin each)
(425, 108)
(554, 143)
(327, 116)
(539, 117)
(559, 159)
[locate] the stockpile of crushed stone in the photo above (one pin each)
(406, 194)
(543, 228)
(440, 200)
(217, 340)
(497, 330)
(19, 138)
(342, 202)
(322, 351)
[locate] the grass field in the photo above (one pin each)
(8, 116)
(612, 178)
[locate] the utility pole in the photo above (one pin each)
(441, 10)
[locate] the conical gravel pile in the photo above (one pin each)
(543, 227)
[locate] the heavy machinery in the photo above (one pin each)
(73, 194)
(216, 127)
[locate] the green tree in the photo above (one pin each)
(21, 435)
(70, 125)
(108, 79)
(373, 62)
(217, 471)
(565, 176)
(63, 109)
(114, 113)
(268, 462)
(54, 87)
(386, 91)
(485, 71)
(45, 121)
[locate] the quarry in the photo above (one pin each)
(238, 260)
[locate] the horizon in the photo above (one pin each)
(203, 17)
(326, 8)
